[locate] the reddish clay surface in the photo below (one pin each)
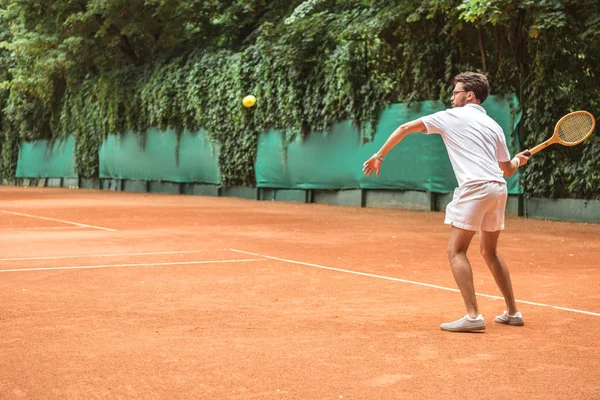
(209, 325)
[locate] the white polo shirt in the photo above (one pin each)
(474, 141)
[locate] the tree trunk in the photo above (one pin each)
(482, 48)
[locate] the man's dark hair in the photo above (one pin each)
(474, 82)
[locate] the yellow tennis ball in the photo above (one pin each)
(249, 101)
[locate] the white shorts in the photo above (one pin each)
(478, 207)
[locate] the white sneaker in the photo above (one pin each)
(513, 320)
(465, 324)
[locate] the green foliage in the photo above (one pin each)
(92, 68)
(8, 143)
(565, 77)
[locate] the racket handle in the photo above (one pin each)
(527, 153)
(539, 147)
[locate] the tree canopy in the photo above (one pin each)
(89, 68)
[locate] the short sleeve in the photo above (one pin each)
(435, 123)
(502, 153)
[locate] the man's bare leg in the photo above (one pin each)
(489, 245)
(460, 239)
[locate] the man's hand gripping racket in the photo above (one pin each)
(570, 130)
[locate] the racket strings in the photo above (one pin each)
(575, 128)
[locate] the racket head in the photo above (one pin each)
(574, 128)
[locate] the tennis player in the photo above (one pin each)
(477, 149)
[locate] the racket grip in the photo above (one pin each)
(527, 153)
(539, 147)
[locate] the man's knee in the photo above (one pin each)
(488, 255)
(454, 252)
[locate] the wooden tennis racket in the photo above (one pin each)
(570, 130)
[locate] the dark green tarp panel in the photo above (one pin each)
(46, 159)
(123, 157)
(333, 160)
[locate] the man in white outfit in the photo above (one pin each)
(477, 149)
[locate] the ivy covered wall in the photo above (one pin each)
(91, 69)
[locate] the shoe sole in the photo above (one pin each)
(518, 323)
(470, 329)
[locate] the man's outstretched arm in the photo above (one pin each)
(373, 164)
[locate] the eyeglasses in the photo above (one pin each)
(460, 91)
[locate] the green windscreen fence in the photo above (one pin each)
(124, 157)
(333, 160)
(46, 159)
(330, 160)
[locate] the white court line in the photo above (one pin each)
(104, 255)
(59, 220)
(42, 228)
(412, 282)
(132, 265)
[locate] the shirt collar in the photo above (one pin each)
(476, 106)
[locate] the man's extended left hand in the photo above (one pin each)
(373, 164)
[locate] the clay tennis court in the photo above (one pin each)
(121, 295)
